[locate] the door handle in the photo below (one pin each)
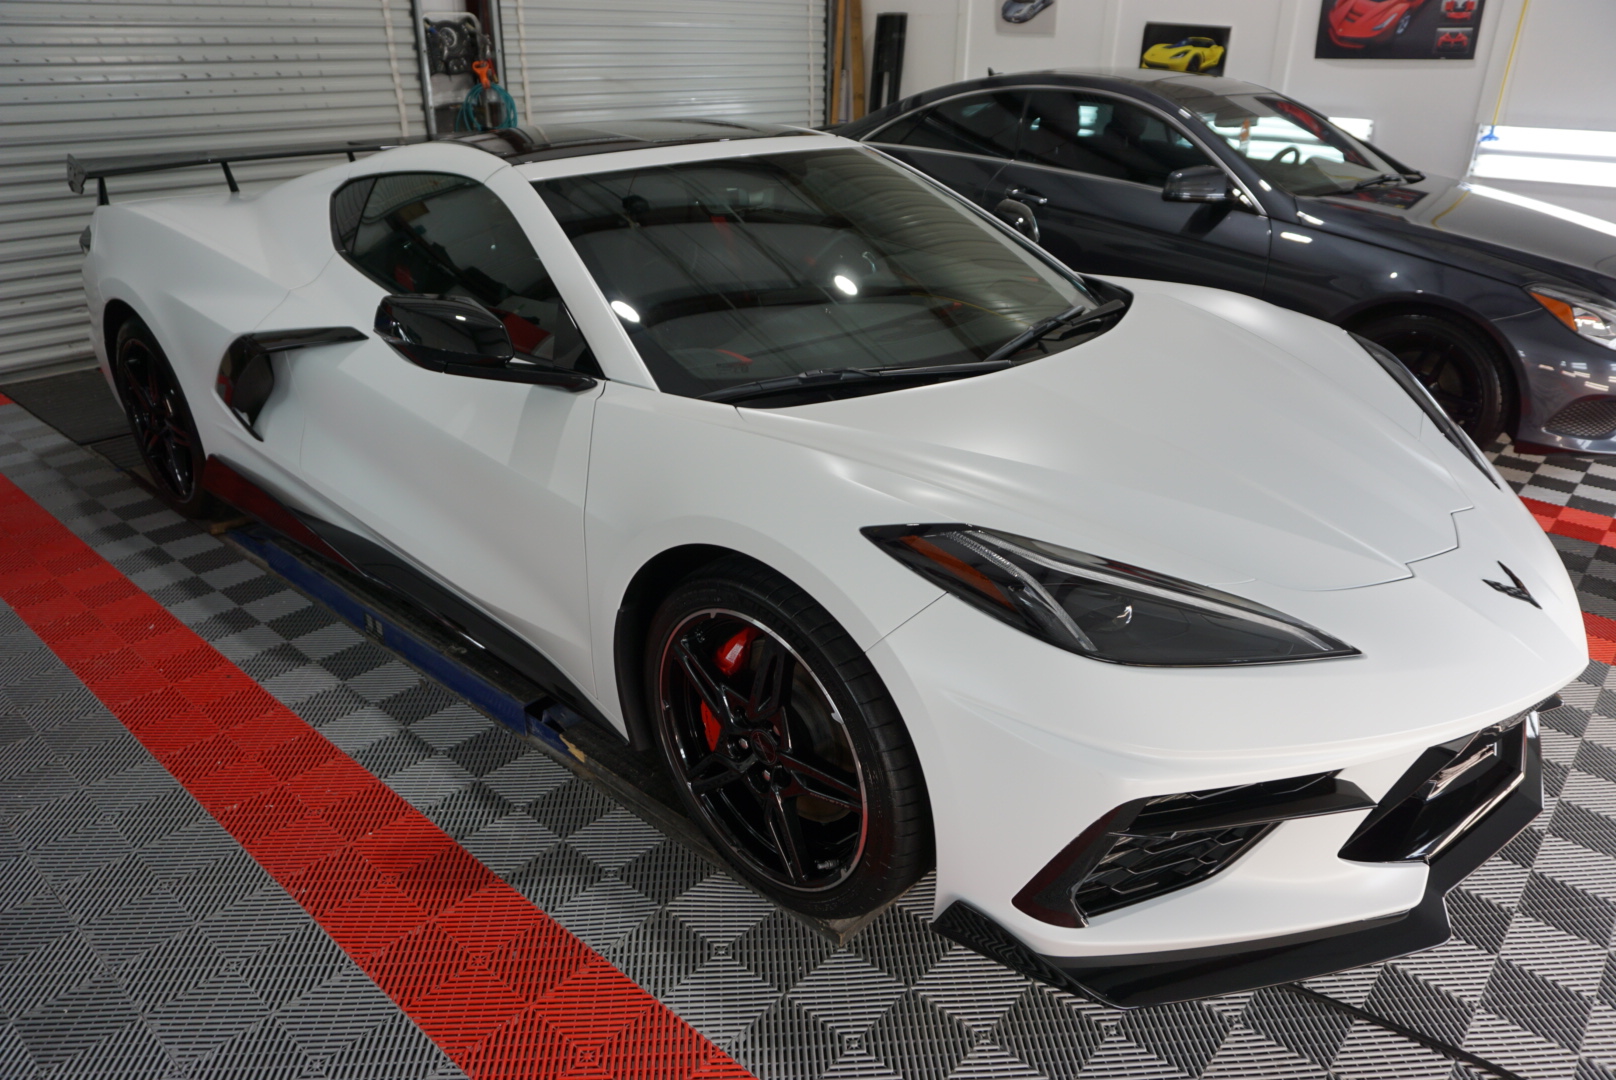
(1027, 195)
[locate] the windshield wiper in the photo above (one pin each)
(814, 380)
(1072, 320)
(1375, 181)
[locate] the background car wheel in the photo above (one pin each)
(1457, 363)
(784, 743)
(160, 419)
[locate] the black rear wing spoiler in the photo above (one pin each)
(98, 169)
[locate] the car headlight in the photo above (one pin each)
(1099, 608)
(1422, 397)
(1590, 316)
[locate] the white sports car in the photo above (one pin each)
(1183, 634)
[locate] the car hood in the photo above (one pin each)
(1477, 227)
(1208, 435)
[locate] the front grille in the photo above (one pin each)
(1586, 418)
(1140, 867)
(1151, 847)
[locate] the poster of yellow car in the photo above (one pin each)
(1194, 49)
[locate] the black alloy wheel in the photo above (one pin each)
(159, 418)
(795, 764)
(1456, 363)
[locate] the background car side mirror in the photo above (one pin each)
(1198, 183)
(458, 336)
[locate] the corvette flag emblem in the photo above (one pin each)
(1517, 588)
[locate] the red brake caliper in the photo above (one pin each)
(731, 657)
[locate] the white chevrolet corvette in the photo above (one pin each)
(1183, 634)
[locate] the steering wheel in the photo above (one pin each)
(1296, 155)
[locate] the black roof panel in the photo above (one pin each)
(542, 143)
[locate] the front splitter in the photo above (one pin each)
(1159, 978)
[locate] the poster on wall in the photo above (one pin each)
(1398, 29)
(1178, 47)
(1025, 16)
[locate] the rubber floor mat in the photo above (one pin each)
(79, 404)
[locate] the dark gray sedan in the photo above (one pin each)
(1504, 308)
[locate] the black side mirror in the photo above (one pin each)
(458, 336)
(1019, 216)
(1199, 183)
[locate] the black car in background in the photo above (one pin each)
(1504, 308)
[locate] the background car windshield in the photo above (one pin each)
(727, 272)
(1291, 146)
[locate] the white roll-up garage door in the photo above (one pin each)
(109, 77)
(749, 59)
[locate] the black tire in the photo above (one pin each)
(1194, 65)
(160, 419)
(778, 774)
(1459, 364)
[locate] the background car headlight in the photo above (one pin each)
(1100, 608)
(1590, 316)
(1422, 397)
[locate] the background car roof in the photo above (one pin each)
(1175, 86)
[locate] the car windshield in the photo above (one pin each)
(1291, 146)
(739, 270)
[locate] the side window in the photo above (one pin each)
(981, 124)
(445, 235)
(1103, 137)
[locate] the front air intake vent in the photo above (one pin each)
(1139, 867)
(1586, 418)
(1151, 847)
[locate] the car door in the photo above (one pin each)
(963, 141)
(1091, 168)
(475, 482)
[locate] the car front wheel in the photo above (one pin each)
(784, 743)
(1456, 363)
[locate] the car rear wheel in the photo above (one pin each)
(159, 418)
(1457, 363)
(784, 743)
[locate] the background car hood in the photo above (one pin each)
(1184, 440)
(1462, 224)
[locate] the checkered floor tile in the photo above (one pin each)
(137, 939)
(1582, 483)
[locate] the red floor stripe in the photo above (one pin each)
(1601, 637)
(1577, 524)
(5, 400)
(500, 986)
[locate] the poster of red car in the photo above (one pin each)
(1398, 29)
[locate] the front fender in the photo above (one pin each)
(666, 472)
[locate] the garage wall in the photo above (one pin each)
(581, 61)
(107, 77)
(1562, 79)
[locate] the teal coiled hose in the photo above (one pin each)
(468, 120)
